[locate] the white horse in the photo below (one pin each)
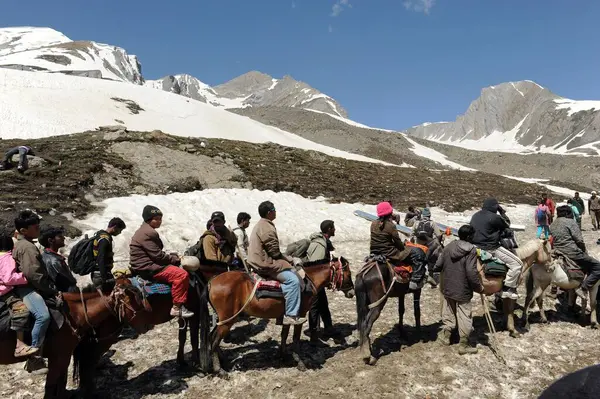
(541, 277)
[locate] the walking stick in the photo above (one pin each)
(494, 346)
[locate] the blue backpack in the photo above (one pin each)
(541, 216)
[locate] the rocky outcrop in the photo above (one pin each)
(521, 116)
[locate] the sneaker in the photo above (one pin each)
(293, 320)
(581, 293)
(181, 311)
(510, 293)
(25, 350)
(36, 365)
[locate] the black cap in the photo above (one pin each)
(150, 212)
(218, 215)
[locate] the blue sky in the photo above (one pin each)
(390, 63)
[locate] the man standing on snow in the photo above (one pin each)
(594, 210)
(23, 151)
(489, 223)
(319, 249)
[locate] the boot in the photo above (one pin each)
(444, 337)
(465, 347)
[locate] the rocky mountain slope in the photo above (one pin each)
(46, 50)
(521, 117)
(253, 89)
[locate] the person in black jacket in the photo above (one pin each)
(489, 223)
(458, 265)
(53, 239)
(103, 253)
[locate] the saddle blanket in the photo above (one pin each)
(272, 288)
(149, 287)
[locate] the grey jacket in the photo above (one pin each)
(458, 264)
(319, 248)
(567, 237)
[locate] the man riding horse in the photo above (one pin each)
(265, 256)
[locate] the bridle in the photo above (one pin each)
(118, 309)
(336, 274)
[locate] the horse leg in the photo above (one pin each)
(194, 326)
(285, 331)
(220, 332)
(401, 311)
(593, 302)
(181, 363)
(540, 303)
(373, 315)
(417, 309)
(56, 380)
(508, 307)
(296, 348)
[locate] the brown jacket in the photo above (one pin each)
(218, 253)
(458, 264)
(146, 254)
(386, 241)
(264, 253)
(29, 262)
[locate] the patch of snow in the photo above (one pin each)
(24, 38)
(575, 106)
(34, 105)
(515, 87)
(433, 155)
(275, 81)
(185, 216)
(526, 179)
(531, 81)
(349, 121)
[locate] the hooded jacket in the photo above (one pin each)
(567, 237)
(319, 248)
(9, 276)
(489, 225)
(146, 255)
(458, 264)
(216, 248)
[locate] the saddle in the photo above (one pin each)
(401, 272)
(490, 265)
(149, 288)
(572, 269)
(268, 288)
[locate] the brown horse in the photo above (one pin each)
(373, 288)
(88, 313)
(531, 253)
(232, 293)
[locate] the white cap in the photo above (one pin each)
(593, 192)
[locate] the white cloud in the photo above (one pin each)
(339, 6)
(330, 28)
(419, 5)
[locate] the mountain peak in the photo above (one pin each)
(23, 38)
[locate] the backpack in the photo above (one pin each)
(508, 240)
(298, 249)
(195, 250)
(81, 258)
(424, 230)
(541, 216)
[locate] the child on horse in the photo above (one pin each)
(265, 256)
(386, 241)
(149, 261)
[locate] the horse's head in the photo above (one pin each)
(131, 306)
(544, 253)
(341, 276)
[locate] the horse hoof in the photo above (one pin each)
(515, 334)
(301, 366)
(223, 374)
(544, 321)
(594, 326)
(372, 361)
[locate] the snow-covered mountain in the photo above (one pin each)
(46, 50)
(253, 89)
(521, 117)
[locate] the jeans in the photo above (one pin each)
(319, 309)
(290, 285)
(37, 307)
(23, 161)
(543, 229)
(591, 267)
(513, 263)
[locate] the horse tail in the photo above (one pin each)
(362, 303)
(204, 320)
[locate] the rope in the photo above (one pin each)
(493, 342)
(87, 320)
(220, 323)
(385, 296)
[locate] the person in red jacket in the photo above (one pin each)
(551, 207)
